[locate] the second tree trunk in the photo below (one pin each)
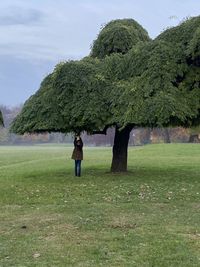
(120, 150)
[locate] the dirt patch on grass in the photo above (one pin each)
(196, 206)
(161, 205)
(122, 223)
(194, 236)
(36, 218)
(60, 232)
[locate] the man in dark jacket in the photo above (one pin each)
(77, 154)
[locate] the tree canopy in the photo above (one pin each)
(72, 98)
(159, 81)
(118, 36)
(128, 80)
(78, 95)
(169, 80)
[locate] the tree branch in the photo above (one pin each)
(104, 131)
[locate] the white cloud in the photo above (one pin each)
(56, 29)
(42, 33)
(19, 16)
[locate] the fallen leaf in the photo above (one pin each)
(36, 255)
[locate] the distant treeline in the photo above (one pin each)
(139, 136)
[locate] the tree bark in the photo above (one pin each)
(146, 136)
(194, 138)
(166, 136)
(120, 149)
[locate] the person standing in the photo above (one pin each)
(77, 154)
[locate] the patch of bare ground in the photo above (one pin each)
(122, 223)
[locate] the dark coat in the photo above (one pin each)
(78, 150)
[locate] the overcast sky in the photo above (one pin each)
(37, 34)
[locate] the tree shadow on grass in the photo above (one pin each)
(143, 173)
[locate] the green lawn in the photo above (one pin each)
(147, 217)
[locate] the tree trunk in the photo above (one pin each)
(194, 138)
(120, 149)
(146, 136)
(166, 136)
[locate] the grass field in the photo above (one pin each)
(147, 217)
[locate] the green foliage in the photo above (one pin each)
(164, 87)
(194, 45)
(72, 98)
(182, 33)
(82, 94)
(149, 83)
(40, 111)
(195, 130)
(118, 36)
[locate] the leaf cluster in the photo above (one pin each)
(161, 79)
(72, 98)
(118, 36)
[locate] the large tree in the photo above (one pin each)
(128, 80)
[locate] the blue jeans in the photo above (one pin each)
(78, 167)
